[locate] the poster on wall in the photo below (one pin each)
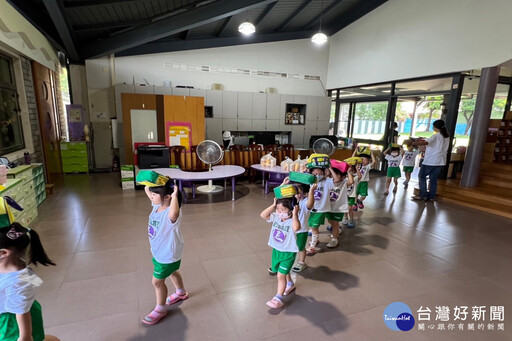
(179, 134)
(75, 122)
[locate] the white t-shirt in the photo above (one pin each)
(351, 190)
(18, 291)
(409, 159)
(322, 201)
(282, 237)
(436, 150)
(365, 172)
(339, 197)
(303, 215)
(165, 237)
(393, 161)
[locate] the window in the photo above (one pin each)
(370, 120)
(11, 133)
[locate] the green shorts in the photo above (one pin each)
(9, 326)
(394, 172)
(408, 169)
(351, 201)
(162, 271)
(282, 261)
(317, 218)
(362, 189)
(302, 239)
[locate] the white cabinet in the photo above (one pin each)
(229, 104)
(214, 129)
(162, 90)
(140, 89)
(312, 108)
(272, 125)
(244, 124)
(297, 136)
(214, 100)
(324, 108)
(259, 105)
(258, 125)
(230, 124)
(310, 129)
(198, 92)
(181, 92)
(245, 105)
(322, 127)
(300, 99)
(273, 106)
(285, 99)
(284, 127)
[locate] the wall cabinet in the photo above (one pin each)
(258, 125)
(273, 107)
(23, 192)
(324, 108)
(230, 124)
(298, 136)
(272, 125)
(229, 104)
(181, 92)
(214, 129)
(311, 108)
(245, 105)
(244, 124)
(259, 105)
(214, 100)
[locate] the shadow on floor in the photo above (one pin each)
(171, 327)
(340, 279)
(225, 195)
(355, 242)
(316, 312)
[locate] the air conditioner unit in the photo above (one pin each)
(217, 86)
(271, 90)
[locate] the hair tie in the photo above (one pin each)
(28, 229)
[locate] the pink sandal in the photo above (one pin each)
(153, 317)
(174, 297)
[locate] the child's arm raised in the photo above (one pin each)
(386, 152)
(295, 217)
(286, 181)
(358, 170)
(374, 160)
(24, 326)
(265, 214)
(311, 196)
(148, 192)
(174, 211)
(350, 180)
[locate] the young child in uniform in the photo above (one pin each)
(367, 163)
(285, 223)
(339, 197)
(394, 157)
(166, 243)
(408, 162)
(355, 172)
(20, 314)
(322, 206)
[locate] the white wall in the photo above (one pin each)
(296, 56)
(414, 38)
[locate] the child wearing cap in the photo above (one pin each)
(367, 163)
(338, 197)
(355, 172)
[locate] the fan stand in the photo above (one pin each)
(210, 188)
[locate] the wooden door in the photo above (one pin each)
(44, 84)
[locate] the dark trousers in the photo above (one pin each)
(433, 173)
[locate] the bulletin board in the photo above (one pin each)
(179, 134)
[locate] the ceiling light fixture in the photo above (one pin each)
(246, 28)
(320, 38)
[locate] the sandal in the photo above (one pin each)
(153, 317)
(289, 289)
(275, 303)
(174, 297)
(299, 267)
(310, 251)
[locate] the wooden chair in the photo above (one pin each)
(288, 150)
(176, 152)
(236, 151)
(255, 154)
(196, 164)
(274, 148)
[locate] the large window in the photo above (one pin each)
(11, 133)
(370, 120)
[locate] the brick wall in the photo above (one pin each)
(37, 155)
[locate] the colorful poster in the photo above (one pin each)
(179, 134)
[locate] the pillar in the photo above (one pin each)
(477, 137)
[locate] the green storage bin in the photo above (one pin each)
(303, 178)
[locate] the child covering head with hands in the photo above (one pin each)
(166, 241)
(284, 217)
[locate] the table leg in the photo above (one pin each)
(233, 188)
(180, 187)
(263, 180)
(225, 183)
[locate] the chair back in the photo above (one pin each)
(178, 156)
(196, 163)
(236, 152)
(288, 150)
(274, 148)
(255, 153)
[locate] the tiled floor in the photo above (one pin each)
(429, 255)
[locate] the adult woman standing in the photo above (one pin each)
(434, 160)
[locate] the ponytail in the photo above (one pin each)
(19, 238)
(439, 124)
(37, 253)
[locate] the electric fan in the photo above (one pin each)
(323, 146)
(210, 153)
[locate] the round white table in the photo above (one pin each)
(218, 172)
(274, 170)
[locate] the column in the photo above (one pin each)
(483, 108)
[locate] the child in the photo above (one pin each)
(285, 223)
(338, 197)
(305, 202)
(322, 205)
(166, 246)
(20, 313)
(355, 172)
(408, 163)
(393, 156)
(362, 186)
